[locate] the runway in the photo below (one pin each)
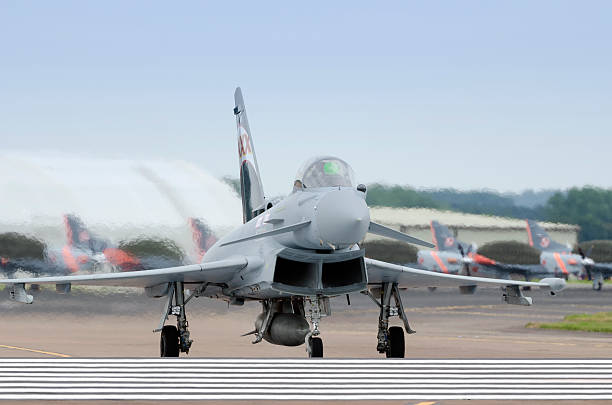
(300, 379)
(76, 345)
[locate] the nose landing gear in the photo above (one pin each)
(317, 308)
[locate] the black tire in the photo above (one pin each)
(597, 286)
(169, 342)
(316, 347)
(397, 347)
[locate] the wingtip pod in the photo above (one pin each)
(555, 284)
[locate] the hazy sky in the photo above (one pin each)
(465, 94)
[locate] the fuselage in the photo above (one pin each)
(320, 258)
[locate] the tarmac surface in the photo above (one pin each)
(88, 323)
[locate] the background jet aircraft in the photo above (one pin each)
(457, 257)
(560, 258)
(557, 258)
(203, 237)
(85, 252)
(292, 257)
(139, 254)
(28, 254)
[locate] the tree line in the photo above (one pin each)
(589, 207)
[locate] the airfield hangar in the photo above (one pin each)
(469, 228)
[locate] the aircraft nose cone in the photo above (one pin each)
(342, 218)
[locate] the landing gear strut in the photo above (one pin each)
(175, 339)
(391, 339)
(317, 308)
(598, 281)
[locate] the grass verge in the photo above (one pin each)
(597, 322)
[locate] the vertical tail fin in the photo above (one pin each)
(253, 202)
(203, 237)
(539, 238)
(444, 239)
(78, 236)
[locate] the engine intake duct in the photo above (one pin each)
(309, 273)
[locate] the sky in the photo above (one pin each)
(464, 94)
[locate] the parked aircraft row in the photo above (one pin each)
(86, 252)
(556, 260)
(291, 256)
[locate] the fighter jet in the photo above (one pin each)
(456, 257)
(20, 252)
(203, 237)
(450, 255)
(292, 257)
(558, 258)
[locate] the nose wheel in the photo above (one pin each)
(316, 347)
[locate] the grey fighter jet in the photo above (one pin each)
(292, 257)
(560, 260)
(455, 257)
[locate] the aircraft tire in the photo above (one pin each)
(597, 286)
(316, 347)
(397, 346)
(169, 342)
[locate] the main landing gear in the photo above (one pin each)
(175, 339)
(391, 339)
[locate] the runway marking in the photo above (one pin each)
(512, 341)
(25, 349)
(425, 403)
(304, 379)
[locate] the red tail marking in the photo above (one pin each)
(433, 234)
(69, 260)
(529, 233)
(68, 230)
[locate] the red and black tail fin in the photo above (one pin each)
(251, 188)
(203, 237)
(78, 236)
(539, 239)
(443, 238)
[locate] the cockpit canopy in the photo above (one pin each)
(326, 171)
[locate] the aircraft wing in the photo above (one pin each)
(214, 272)
(604, 268)
(382, 272)
(524, 269)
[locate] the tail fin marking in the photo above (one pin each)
(251, 188)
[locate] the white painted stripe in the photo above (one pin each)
(575, 386)
(296, 370)
(297, 379)
(309, 397)
(280, 374)
(137, 380)
(306, 361)
(382, 365)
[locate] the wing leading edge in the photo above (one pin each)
(382, 272)
(215, 272)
